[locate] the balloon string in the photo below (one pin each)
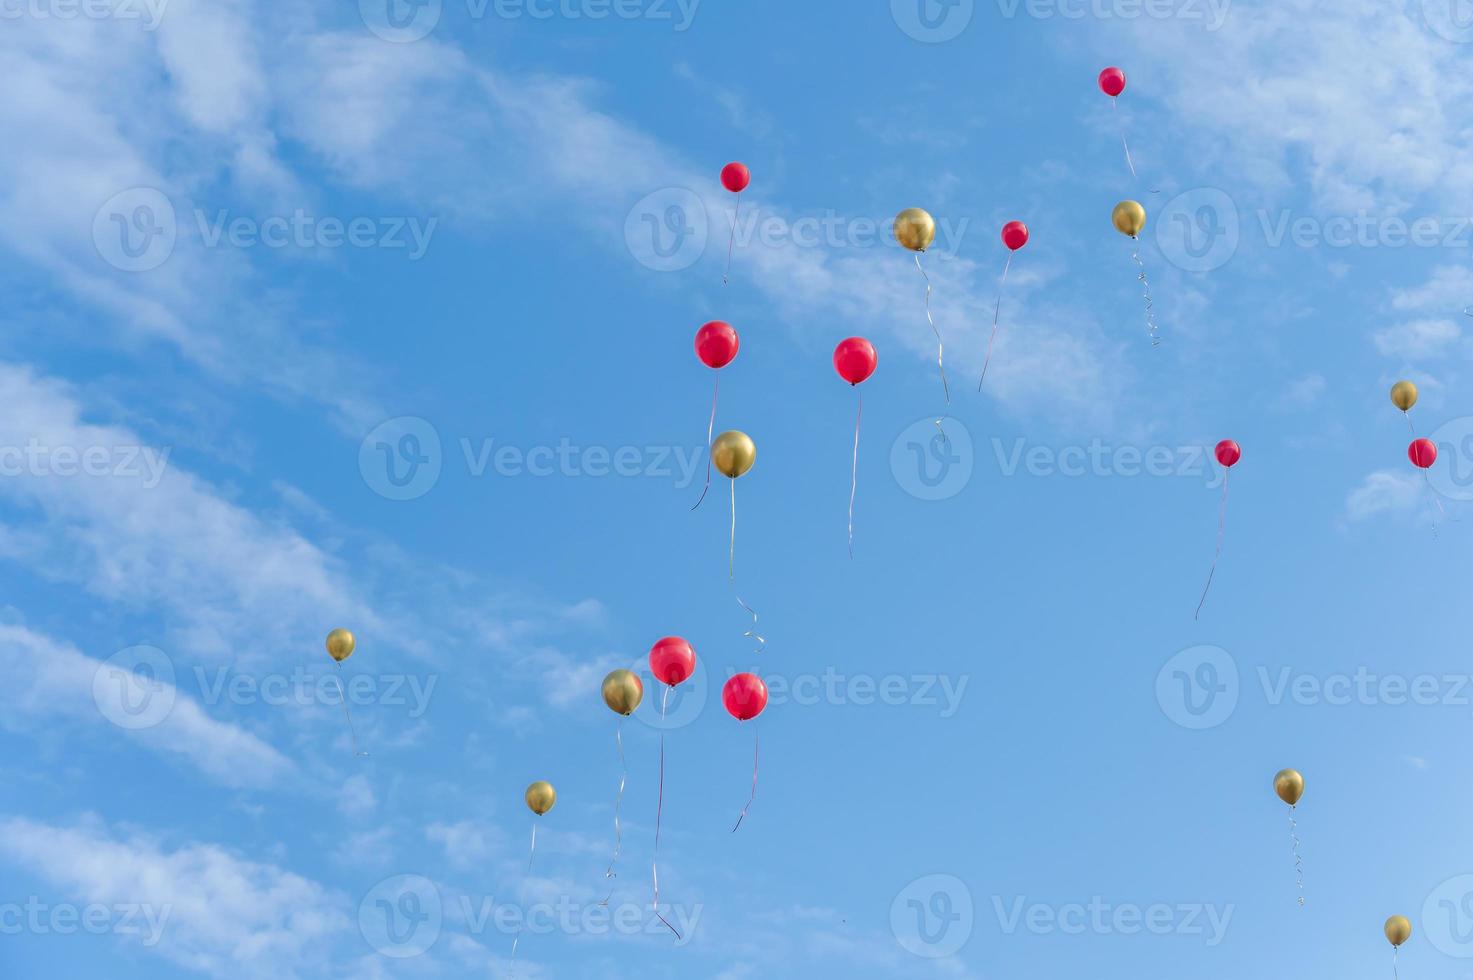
(1298, 861)
(1410, 424)
(522, 890)
(710, 431)
(618, 802)
(752, 633)
(343, 693)
(854, 474)
(659, 813)
(756, 757)
(995, 312)
(731, 555)
(940, 350)
(1150, 305)
(1115, 107)
(1394, 951)
(1221, 525)
(736, 216)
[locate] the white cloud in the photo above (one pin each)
(1417, 339)
(1385, 492)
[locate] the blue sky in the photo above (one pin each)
(248, 247)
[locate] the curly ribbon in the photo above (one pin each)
(1221, 525)
(995, 312)
(731, 243)
(1115, 108)
(1298, 861)
(343, 693)
(1394, 951)
(659, 813)
(1150, 305)
(854, 472)
(521, 893)
(618, 802)
(752, 633)
(756, 757)
(710, 431)
(940, 350)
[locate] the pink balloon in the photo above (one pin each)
(1112, 81)
(717, 344)
(1015, 235)
(1423, 453)
(745, 696)
(735, 177)
(855, 359)
(672, 660)
(1228, 452)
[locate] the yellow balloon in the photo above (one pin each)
(623, 690)
(915, 229)
(541, 797)
(1398, 930)
(1404, 395)
(340, 644)
(1129, 218)
(733, 453)
(1290, 786)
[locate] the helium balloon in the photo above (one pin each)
(1404, 395)
(672, 660)
(915, 229)
(1112, 81)
(1289, 785)
(735, 177)
(623, 690)
(541, 797)
(1129, 218)
(340, 644)
(745, 696)
(1423, 453)
(717, 344)
(1398, 930)
(855, 359)
(733, 453)
(1228, 452)
(1015, 235)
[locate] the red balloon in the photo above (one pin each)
(1112, 81)
(672, 660)
(1015, 235)
(735, 177)
(745, 696)
(716, 344)
(1229, 452)
(1423, 453)
(855, 359)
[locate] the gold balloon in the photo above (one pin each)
(1404, 395)
(1398, 930)
(1290, 786)
(733, 453)
(623, 690)
(915, 229)
(541, 797)
(340, 644)
(1129, 218)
